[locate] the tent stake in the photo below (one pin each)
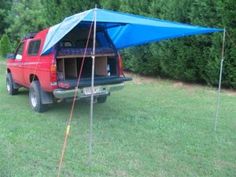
(92, 90)
(220, 80)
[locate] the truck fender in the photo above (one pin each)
(15, 85)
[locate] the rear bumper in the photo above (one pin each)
(103, 90)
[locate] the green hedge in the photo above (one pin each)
(5, 46)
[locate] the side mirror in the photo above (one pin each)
(18, 56)
(10, 56)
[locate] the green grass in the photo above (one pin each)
(147, 129)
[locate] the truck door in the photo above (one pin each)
(17, 67)
(31, 59)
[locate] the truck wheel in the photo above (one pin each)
(102, 99)
(35, 98)
(10, 85)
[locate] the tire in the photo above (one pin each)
(102, 99)
(10, 85)
(35, 97)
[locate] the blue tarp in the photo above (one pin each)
(125, 30)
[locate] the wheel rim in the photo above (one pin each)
(33, 98)
(8, 86)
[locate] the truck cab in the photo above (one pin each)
(65, 69)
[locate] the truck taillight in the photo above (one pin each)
(53, 74)
(120, 65)
(53, 68)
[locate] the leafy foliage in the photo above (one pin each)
(25, 16)
(5, 45)
(4, 8)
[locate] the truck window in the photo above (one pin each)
(19, 51)
(34, 47)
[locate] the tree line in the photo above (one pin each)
(191, 59)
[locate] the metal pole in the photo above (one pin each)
(220, 80)
(92, 90)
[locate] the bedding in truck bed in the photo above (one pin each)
(68, 52)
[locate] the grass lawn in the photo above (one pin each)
(151, 128)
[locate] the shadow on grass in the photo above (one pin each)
(56, 106)
(81, 111)
(67, 105)
(23, 92)
(61, 110)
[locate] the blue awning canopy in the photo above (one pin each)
(125, 30)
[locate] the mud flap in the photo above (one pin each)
(16, 86)
(46, 97)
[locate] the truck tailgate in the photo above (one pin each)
(86, 82)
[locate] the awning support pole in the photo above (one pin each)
(220, 81)
(92, 90)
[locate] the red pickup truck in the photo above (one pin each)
(53, 76)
